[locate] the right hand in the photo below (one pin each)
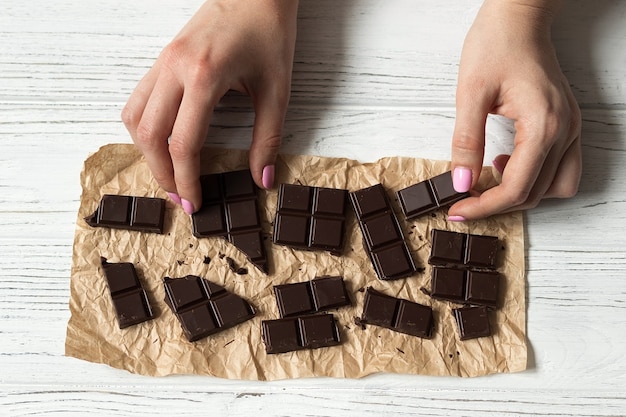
(242, 45)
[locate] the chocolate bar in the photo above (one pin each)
(382, 236)
(465, 286)
(429, 195)
(144, 214)
(230, 210)
(296, 333)
(129, 298)
(203, 307)
(472, 322)
(397, 314)
(310, 217)
(319, 294)
(468, 250)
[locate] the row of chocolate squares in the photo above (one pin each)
(204, 308)
(307, 217)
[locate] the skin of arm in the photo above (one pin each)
(242, 45)
(509, 67)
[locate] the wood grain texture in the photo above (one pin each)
(375, 73)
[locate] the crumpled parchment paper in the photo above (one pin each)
(158, 347)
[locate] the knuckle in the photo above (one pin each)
(145, 136)
(181, 150)
(130, 116)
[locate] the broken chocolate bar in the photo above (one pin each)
(296, 333)
(310, 217)
(473, 251)
(203, 307)
(129, 298)
(472, 322)
(465, 286)
(397, 314)
(230, 210)
(382, 236)
(428, 195)
(144, 214)
(313, 296)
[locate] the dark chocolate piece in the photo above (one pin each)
(203, 307)
(473, 251)
(465, 286)
(482, 288)
(448, 284)
(397, 314)
(428, 195)
(382, 236)
(230, 210)
(296, 333)
(472, 322)
(144, 214)
(129, 298)
(319, 294)
(310, 217)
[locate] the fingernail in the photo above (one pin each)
(498, 166)
(462, 179)
(268, 176)
(175, 198)
(187, 206)
(456, 218)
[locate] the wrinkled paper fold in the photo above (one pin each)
(158, 347)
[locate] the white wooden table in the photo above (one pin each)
(372, 78)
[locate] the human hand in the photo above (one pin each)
(509, 67)
(240, 45)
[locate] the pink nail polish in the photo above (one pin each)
(462, 179)
(456, 218)
(175, 198)
(268, 176)
(187, 206)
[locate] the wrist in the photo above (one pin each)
(534, 17)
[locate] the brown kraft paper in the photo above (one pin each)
(158, 347)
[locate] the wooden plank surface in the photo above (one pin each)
(379, 73)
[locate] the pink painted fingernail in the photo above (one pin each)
(268, 176)
(498, 166)
(456, 218)
(187, 206)
(175, 198)
(462, 179)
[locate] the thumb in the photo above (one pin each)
(468, 139)
(270, 109)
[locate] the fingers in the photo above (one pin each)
(154, 128)
(468, 139)
(188, 135)
(270, 106)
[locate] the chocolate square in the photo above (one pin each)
(209, 221)
(318, 331)
(444, 189)
(481, 251)
(448, 284)
(147, 212)
(295, 198)
(184, 292)
(291, 230)
(482, 288)
(238, 185)
(242, 215)
(326, 234)
(393, 262)
(114, 209)
(294, 299)
(230, 309)
(379, 309)
(414, 319)
(282, 335)
(121, 277)
(472, 322)
(132, 308)
(417, 199)
(370, 201)
(329, 292)
(198, 322)
(329, 201)
(381, 230)
(447, 247)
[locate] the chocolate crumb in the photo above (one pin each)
(241, 271)
(361, 289)
(229, 343)
(180, 262)
(400, 350)
(190, 245)
(207, 260)
(425, 291)
(359, 323)
(221, 255)
(421, 270)
(451, 356)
